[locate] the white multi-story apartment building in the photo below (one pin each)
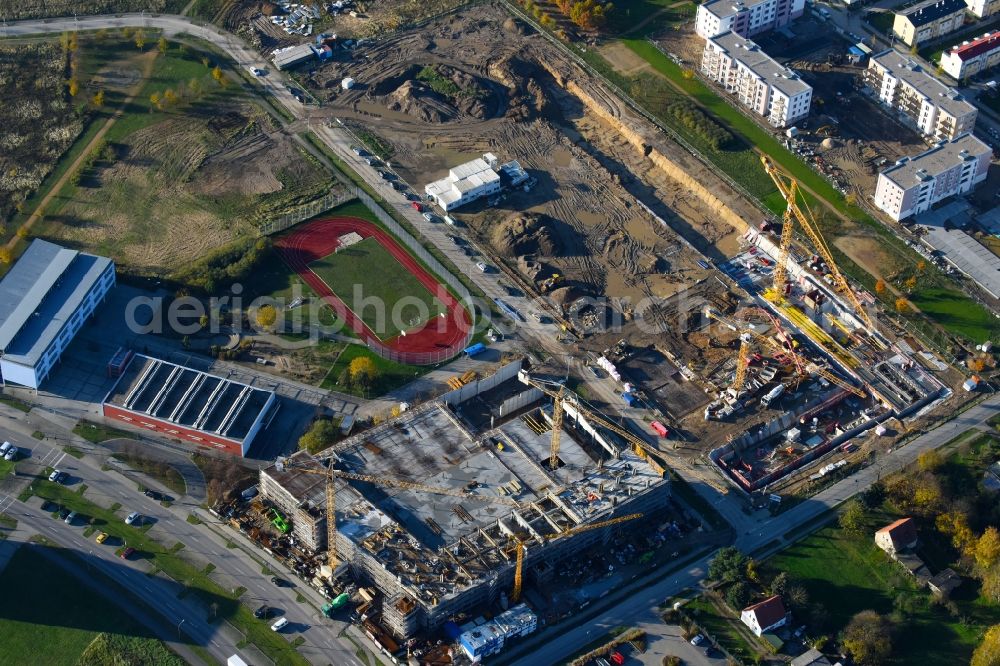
(983, 8)
(970, 58)
(745, 17)
(928, 20)
(758, 82)
(938, 111)
(914, 184)
(44, 300)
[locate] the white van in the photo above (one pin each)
(280, 624)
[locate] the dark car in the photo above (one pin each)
(62, 478)
(127, 553)
(63, 512)
(262, 612)
(277, 581)
(153, 494)
(713, 653)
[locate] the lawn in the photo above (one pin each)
(846, 573)
(167, 559)
(98, 432)
(391, 375)
(957, 313)
(643, 17)
(881, 21)
(723, 629)
(52, 618)
(377, 288)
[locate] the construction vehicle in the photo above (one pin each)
(803, 366)
(331, 497)
(549, 283)
(338, 602)
(799, 212)
(279, 521)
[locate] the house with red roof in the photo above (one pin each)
(972, 56)
(765, 616)
(897, 536)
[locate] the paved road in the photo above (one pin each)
(641, 608)
(233, 567)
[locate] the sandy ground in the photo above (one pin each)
(590, 178)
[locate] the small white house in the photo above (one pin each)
(765, 616)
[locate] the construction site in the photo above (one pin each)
(453, 506)
(613, 210)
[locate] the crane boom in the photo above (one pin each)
(741, 363)
(781, 267)
(598, 525)
(557, 418)
(515, 594)
(789, 190)
(800, 363)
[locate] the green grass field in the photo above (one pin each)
(50, 618)
(644, 17)
(367, 272)
(846, 574)
(953, 310)
(391, 375)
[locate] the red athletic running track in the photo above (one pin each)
(317, 239)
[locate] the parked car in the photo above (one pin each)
(280, 624)
(430, 217)
(102, 537)
(417, 206)
(54, 476)
(154, 495)
(262, 612)
(132, 517)
(4, 448)
(69, 517)
(64, 513)
(697, 640)
(277, 581)
(11, 453)
(482, 267)
(62, 478)
(127, 553)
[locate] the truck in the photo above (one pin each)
(628, 398)
(772, 395)
(659, 428)
(338, 602)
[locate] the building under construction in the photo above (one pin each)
(451, 545)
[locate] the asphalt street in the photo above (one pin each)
(202, 543)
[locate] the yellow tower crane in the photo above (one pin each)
(515, 594)
(560, 394)
(557, 419)
(331, 497)
(800, 213)
(804, 365)
(742, 361)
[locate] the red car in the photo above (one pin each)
(416, 206)
(617, 658)
(127, 553)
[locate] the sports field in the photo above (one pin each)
(377, 288)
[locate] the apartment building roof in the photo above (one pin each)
(908, 70)
(932, 163)
(931, 10)
(969, 50)
(751, 56)
(723, 8)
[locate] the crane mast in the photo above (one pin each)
(789, 190)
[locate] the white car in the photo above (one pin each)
(697, 640)
(11, 453)
(481, 266)
(54, 476)
(280, 624)
(4, 448)
(132, 517)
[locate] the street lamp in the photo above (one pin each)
(183, 620)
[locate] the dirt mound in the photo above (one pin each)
(513, 27)
(416, 99)
(523, 234)
(564, 295)
(526, 99)
(437, 94)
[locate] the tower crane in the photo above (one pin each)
(640, 447)
(331, 498)
(515, 594)
(789, 189)
(804, 366)
(742, 359)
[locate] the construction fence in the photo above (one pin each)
(306, 211)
